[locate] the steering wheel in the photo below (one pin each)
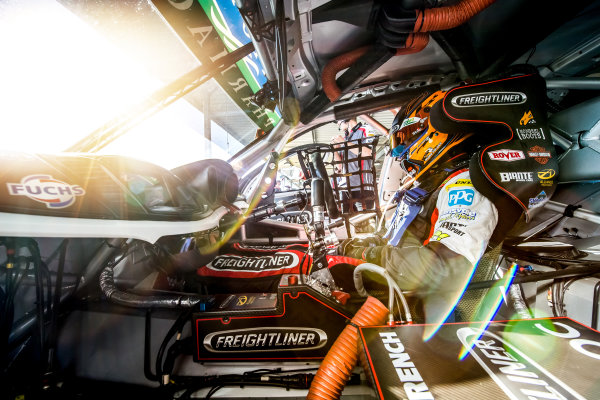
(310, 159)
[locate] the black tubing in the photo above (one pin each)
(317, 162)
(117, 296)
(151, 376)
(594, 324)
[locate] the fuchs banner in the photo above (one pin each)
(212, 29)
(555, 358)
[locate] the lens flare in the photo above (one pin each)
(489, 305)
(267, 176)
(434, 323)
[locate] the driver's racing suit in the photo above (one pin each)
(442, 244)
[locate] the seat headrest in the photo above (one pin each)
(521, 164)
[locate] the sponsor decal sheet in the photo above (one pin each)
(553, 358)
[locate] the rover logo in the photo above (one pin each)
(47, 190)
(265, 339)
(489, 99)
(506, 155)
(519, 376)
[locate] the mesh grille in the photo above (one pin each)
(470, 302)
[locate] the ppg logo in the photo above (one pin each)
(461, 197)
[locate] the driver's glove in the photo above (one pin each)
(366, 249)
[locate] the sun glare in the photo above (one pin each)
(59, 79)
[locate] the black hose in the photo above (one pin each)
(39, 292)
(48, 300)
(281, 39)
(56, 302)
(594, 324)
(147, 344)
(178, 348)
(117, 296)
(294, 381)
(175, 328)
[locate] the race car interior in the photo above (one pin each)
(250, 274)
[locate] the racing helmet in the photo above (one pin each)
(415, 140)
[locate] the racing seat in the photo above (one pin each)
(516, 125)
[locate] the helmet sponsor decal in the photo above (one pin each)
(265, 339)
(527, 118)
(489, 99)
(516, 176)
(506, 155)
(531, 133)
(410, 121)
(47, 190)
(538, 200)
(462, 197)
(539, 154)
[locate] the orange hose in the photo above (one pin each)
(337, 366)
(438, 19)
(414, 43)
(334, 66)
(428, 20)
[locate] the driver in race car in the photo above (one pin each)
(442, 225)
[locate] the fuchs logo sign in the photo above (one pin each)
(519, 376)
(47, 190)
(265, 339)
(489, 99)
(506, 155)
(261, 263)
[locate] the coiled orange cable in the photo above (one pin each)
(337, 366)
(438, 19)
